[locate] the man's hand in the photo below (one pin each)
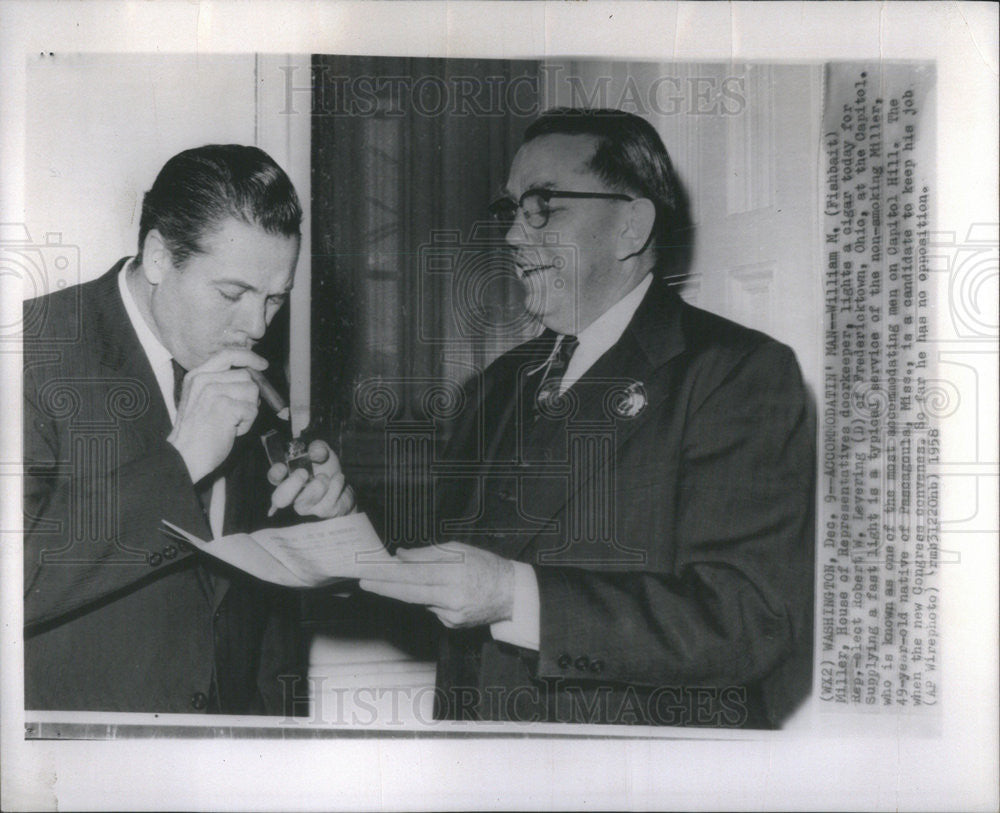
(325, 494)
(462, 585)
(218, 403)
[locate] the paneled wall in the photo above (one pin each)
(409, 288)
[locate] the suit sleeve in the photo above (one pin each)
(92, 523)
(738, 596)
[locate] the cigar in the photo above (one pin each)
(270, 395)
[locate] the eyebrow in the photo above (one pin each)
(506, 193)
(246, 287)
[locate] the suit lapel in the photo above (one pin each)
(600, 419)
(500, 416)
(121, 354)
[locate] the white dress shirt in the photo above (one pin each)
(524, 627)
(159, 359)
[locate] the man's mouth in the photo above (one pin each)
(530, 270)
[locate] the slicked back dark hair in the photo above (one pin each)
(199, 188)
(630, 158)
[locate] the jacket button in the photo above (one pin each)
(169, 552)
(564, 661)
(199, 701)
(582, 663)
(155, 559)
(597, 666)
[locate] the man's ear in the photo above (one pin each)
(157, 260)
(637, 229)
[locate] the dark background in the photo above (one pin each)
(408, 286)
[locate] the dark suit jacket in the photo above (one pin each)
(118, 616)
(669, 518)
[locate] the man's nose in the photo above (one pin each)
(517, 234)
(253, 319)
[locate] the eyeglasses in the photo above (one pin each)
(535, 205)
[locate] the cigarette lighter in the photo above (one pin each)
(291, 451)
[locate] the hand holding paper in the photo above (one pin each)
(307, 555)
(462, 585)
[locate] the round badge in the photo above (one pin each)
(630, 402)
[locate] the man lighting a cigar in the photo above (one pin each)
(141, 404)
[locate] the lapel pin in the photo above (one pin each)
(554, 404)
(630, 402)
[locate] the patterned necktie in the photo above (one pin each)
(547, 394)
(204, 491)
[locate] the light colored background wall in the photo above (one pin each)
(99, 127)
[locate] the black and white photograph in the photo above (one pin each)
(414, 406)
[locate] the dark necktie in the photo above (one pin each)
(204, 490)
(179, 373)
(547, 393)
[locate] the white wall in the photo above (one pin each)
(99, 127)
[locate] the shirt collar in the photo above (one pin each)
(158, 355)
(601, 334)
(608, 328)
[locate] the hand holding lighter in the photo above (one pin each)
(293, 452)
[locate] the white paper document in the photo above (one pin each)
(308, 555)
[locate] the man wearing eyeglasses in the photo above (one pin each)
(633, 489)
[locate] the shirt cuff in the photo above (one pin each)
(524, 627)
